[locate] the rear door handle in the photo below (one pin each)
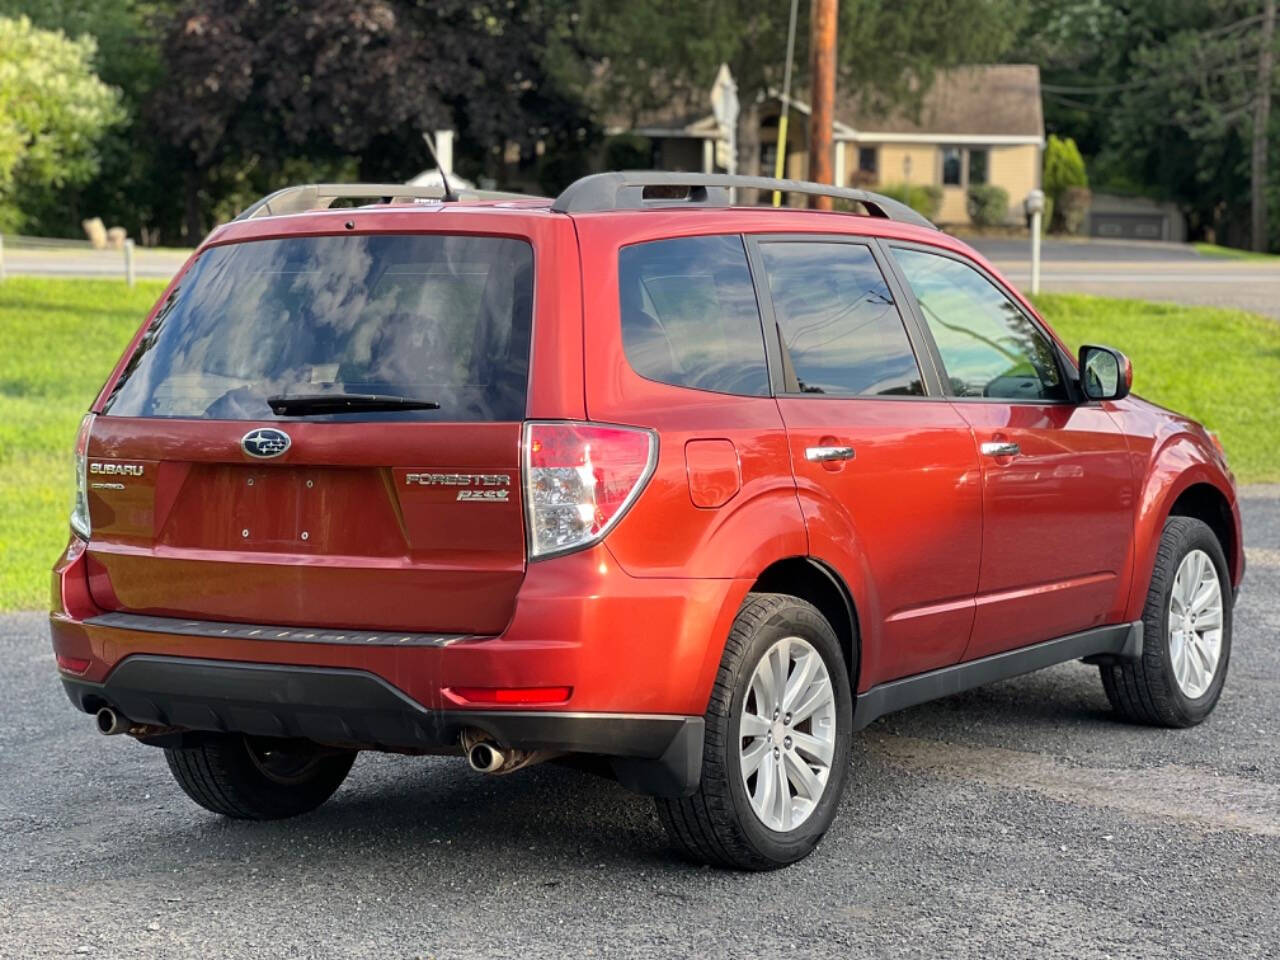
(827, 454)
(1001, 448)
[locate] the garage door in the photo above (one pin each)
(1129, 226)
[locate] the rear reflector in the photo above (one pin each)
(579, 480)
(511, 695)
(72, 664)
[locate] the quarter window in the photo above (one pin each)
(840, 329)
(690, 317)
(989, 347)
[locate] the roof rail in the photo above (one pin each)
(320, 196)
(624, 190)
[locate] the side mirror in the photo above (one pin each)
(1105, 374)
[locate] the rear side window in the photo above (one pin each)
(439, 318)
(841, 332)
(690, 317)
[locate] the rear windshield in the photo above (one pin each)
(443, 319)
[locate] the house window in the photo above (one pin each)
(952, 166)
(869, 160)
(977, 166)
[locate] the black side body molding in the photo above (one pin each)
(650, 753)
(1119, 642)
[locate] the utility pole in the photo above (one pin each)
(1261, 119)
(822, 80)
(780, 162)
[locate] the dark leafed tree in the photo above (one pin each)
(253, 82)
(1213, 77)
(647, 51)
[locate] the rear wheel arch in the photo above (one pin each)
(812, 580)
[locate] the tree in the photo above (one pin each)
(253, 83)
(649, 51)
(1167, 98)
(53, 110)
(137, 170)
(1216, 77)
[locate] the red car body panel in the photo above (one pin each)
(946, 555)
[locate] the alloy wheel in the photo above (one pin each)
(1195, 624)
(787, 734)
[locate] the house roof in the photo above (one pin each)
(998, 101)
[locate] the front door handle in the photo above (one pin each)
(1001, 448)
(827, 454)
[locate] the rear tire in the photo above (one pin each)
(1179, 678)
(735, 819)
(258, 778)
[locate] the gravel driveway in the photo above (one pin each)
(1015, 820)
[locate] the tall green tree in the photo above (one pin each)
(640, 53)
(136, 169)
(1169, 98)
(53, 110)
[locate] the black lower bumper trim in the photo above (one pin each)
(651, 753)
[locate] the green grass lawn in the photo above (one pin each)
(1221, 367)
(1233, 253)
(60, 338)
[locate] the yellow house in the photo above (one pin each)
(975, 124)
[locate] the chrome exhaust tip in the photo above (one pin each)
(111, 723)
(484, 757)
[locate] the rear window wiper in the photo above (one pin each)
(300, 404)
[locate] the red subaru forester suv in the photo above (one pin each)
(683, 491)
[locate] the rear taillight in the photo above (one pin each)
(80, 508)
(579, 479)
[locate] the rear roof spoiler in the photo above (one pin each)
(625, 191)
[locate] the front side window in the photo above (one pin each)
(989, 347)
(840, 329)
(689, 315)
(951, 166)
(440, 319)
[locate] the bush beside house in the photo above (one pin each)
(987, 205)
(1066, 185)
(924, 198)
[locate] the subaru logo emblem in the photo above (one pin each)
(265, 442)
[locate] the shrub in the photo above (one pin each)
(924, 198)
(1063, 170)
(988, 205)
(1047, 217)
(1072, 206)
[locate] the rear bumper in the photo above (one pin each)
(658, 754)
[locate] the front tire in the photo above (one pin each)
(1186, 633)
(778, 730)
(258, 778)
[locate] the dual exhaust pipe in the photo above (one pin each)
(482, 754)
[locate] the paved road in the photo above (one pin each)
(1141, 271)
(1016, 820)
(152, 264)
